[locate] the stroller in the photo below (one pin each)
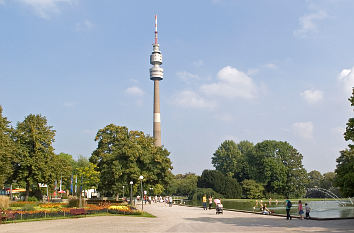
(219, 207)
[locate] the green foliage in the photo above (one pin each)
(88, 176)
(74, 202)
(28, 207)
(345, 162)
(225, 158)
(183, 185)
(345, 172)
(277, 165)
(252, 190)
(122, 156)
(7, 149)
(315, 179)
(225, 185)
(35, 157)
(200, 192)
(32, 198)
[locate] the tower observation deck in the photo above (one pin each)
(156, 74)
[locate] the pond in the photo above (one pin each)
(319, 208)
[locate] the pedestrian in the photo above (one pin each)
(204, 202)
(210, 202)
(170, 201)
(300, 209)
(307, 209)
(288, 206)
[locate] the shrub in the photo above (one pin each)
(225, 185)
(251, 189)
(4, 202)
(75, 202)
(28, 207)
(32, 198)
(200, 192)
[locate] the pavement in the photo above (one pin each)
(180, 219)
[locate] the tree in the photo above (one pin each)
(279, 168)
(63, 166)
(225, 158)
(251, 189)
(183, 184)
(35, 155)
(315, 179)
(122, 156)
(225, 185)
(345, 162)
(244, 170)
(7, 149)
(328, 180)
(88, 176)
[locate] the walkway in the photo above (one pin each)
(181, 219)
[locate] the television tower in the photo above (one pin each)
(156, 74)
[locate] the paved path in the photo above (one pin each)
(180, 219)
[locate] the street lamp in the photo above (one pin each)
(131, 192)
(123, 192)
(142, 194)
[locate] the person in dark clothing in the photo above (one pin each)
(288, 205)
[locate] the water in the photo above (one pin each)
(319, 209)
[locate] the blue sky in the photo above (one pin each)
(240, 70)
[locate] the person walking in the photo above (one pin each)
(300, 209)
(204, 203)
(210, 202)
(288, 206)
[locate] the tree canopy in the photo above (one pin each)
(345, 162)
(7, 149)
(122, 156)
(36, 154)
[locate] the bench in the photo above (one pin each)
(77, 211)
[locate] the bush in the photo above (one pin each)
(28, 207)
(32, 198)
(200, 192)
(4, 202)
(75, 202)
(227, 186)
(252, 190)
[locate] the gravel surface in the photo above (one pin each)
(181, 219)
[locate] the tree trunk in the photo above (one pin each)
(27, 189)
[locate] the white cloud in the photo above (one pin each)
(2, 2)
(135, 91)
(308, 23)
(85, 25)
(232, 83)
(45, 8)
(193, 100)
(346, 78)
(303, 129)
(271, 66)
(252, 71)
(312, 96)
(224, 117)
(186, 76)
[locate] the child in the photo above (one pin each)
(307, 209)
(300, 209)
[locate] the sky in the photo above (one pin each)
(233, 70)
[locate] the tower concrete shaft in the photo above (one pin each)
(157, 123)
(156, 74)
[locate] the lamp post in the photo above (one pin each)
(142, 194)
(131, 192)
(123, 192)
